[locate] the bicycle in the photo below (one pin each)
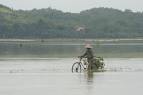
(79, 66)
(83, 65)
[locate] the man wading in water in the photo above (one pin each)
(89, 55)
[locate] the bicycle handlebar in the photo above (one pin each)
(80, 57)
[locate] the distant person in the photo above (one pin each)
(89, 55)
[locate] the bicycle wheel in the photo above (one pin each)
(76, 67)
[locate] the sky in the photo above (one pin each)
(74, 6)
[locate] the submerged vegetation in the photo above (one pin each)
(51, 23)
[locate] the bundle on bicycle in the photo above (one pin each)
(88, 61)
(83, 65)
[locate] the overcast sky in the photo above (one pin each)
(74, 5)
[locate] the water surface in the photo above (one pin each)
(122, 76)
(69, 48)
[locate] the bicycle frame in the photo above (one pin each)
(80, 65)
(83, 62)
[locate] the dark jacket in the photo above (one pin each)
(88, 54)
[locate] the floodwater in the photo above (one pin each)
(41, 76)
(67, 48)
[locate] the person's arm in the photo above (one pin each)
(84, 54)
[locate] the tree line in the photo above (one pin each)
(52, 23)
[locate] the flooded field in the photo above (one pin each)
(53, 76)
(43, 67)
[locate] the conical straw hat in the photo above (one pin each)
(88, 46)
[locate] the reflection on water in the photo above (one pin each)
(90, 77)
(54, 77)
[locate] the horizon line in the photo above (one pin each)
(30, 9)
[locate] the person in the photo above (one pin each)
(89, 55)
